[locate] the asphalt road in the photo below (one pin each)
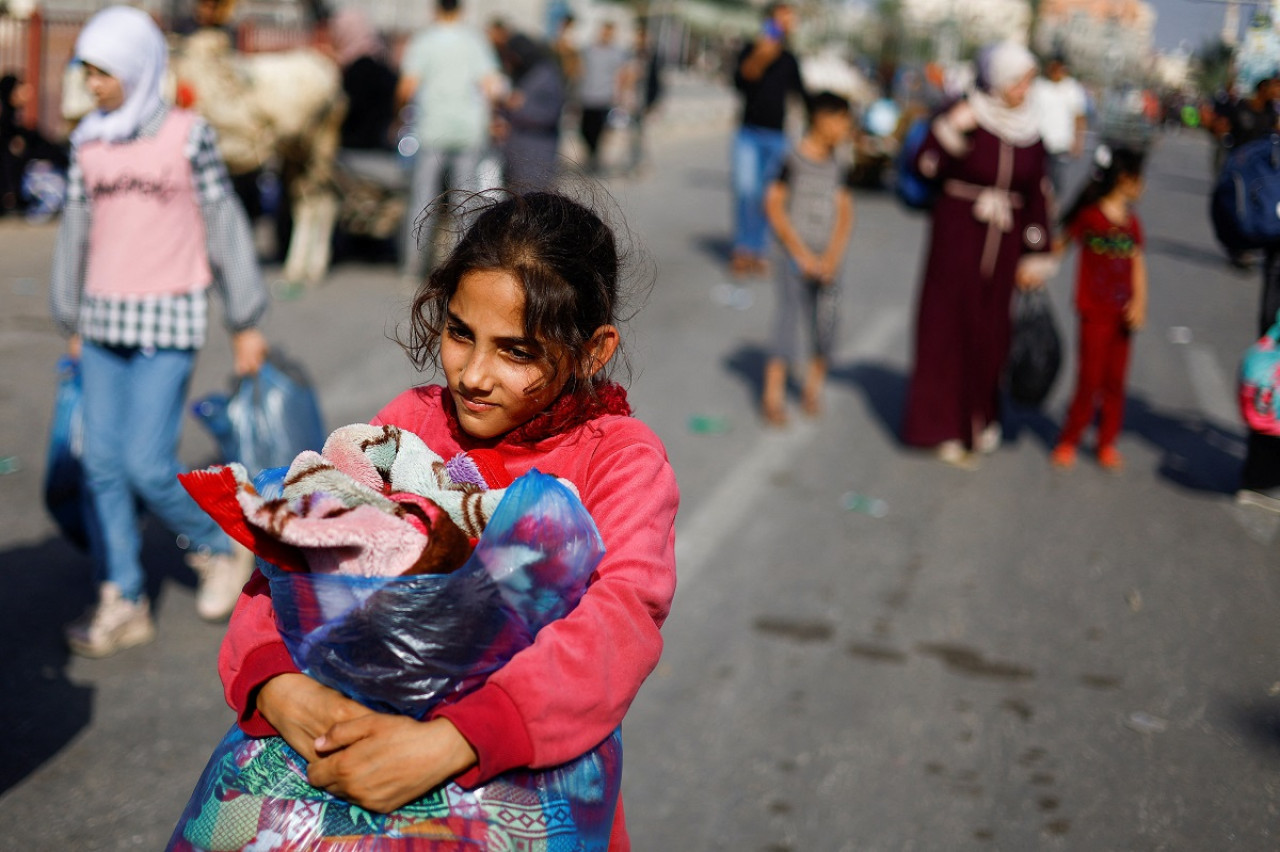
(1006, 659)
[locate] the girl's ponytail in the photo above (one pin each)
(1108, 165)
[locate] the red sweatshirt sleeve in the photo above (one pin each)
(252, 653)
(571, 688)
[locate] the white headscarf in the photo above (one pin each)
(127, 44)
(1000, 67)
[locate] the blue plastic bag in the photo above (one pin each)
(44, 187)
(403, 645)
(65, 494)
(266, 420)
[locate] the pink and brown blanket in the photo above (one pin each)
(376, 502)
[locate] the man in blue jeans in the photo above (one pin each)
(765, 74)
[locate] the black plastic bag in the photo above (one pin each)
(267, 419)
(1035, 353)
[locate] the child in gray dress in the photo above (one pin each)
(809, 206)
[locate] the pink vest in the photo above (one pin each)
(147, 236)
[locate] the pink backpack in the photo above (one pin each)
(1260, 383)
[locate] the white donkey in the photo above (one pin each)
(283, 108)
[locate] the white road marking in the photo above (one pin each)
(721, 512)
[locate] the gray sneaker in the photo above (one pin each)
(114, 624)
(221, 577)
(1261, 498)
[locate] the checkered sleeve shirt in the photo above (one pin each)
(169, 321)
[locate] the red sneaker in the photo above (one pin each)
(1063, 456)
(1109, 459)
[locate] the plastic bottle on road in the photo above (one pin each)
(872, 506)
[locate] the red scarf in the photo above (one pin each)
(569, 411)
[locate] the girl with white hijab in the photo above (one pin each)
(990, 229)
(150, 223)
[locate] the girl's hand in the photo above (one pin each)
(73, 347)
(302, 709)
(381, 761)
(249, 351)
(827, 268)
(810, 264)
(1135, 314)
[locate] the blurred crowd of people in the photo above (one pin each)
(472, 109)
(994, 151)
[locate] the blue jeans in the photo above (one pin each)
(133, 400)
(757, 156)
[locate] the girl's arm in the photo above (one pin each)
(567, 692)
(775, 209)
(841, 230)
(70, 254)
(232, 256)
(263, 685)
(1135, 313)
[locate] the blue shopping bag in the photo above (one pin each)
(65, 494)
(267, 419)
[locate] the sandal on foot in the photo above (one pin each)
(953, 453)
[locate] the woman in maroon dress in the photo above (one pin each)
(989, 232)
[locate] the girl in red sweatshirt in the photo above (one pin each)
(1111, 298)
(520, 321)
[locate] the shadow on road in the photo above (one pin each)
(47, 585)
(747, 363)
(1021, 419)
(884, 389)
(1195, 454)
(1259, 721)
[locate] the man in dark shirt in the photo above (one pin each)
(765, 74)
(1254, 118)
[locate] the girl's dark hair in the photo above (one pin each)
(1116, 162)
(565, 257)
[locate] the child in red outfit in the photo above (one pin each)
(520, 320)
(1111, 298)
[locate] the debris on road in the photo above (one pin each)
(709, 424)
(873, 506)
(1145, 723)
(1134, 599)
